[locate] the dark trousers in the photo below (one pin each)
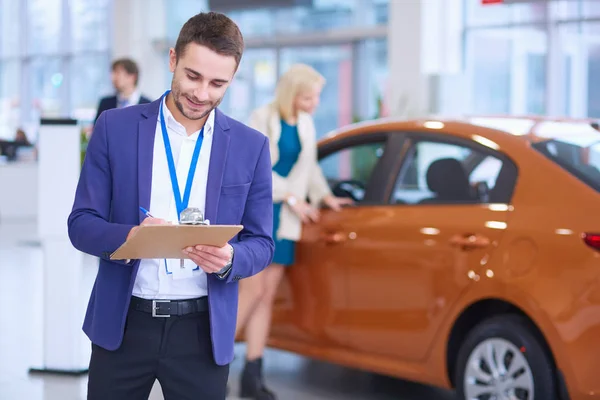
(176, 350)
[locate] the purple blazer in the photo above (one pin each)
(115, 181)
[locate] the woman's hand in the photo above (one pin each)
(336, 203)
(305, 212)
(302, 209)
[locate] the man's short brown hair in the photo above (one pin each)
(128, 65)
(213, 30)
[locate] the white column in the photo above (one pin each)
(138, 24)
(556, 97)
(408, 96)
(425, 53)
(580, 74)
(59, 164)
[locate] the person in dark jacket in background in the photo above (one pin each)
(125, 75)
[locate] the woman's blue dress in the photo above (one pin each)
(289, 150)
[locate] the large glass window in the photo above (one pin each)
(479, 14)
(321, 15)
(335, 64)
(507, 70)
(354, 66)
(46, 85)
(370, 68)
(44, 19)
(254, 84)
(54, 58)
(90, 75)
(10, 37)
(10, 101)
(178, 12)
(580, 46)
(10, 80)
(590, 8)
(355, 76)
(490, 58)
(533, 58)
(593, 92)
(90, 29)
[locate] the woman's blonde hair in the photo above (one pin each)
(297, 79)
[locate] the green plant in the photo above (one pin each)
(364, 158)
(84, 144)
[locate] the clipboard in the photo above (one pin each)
(168, 241)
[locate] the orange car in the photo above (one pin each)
(471, 258)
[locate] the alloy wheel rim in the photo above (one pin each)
(498, 370)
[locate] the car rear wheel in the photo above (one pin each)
(502, 359)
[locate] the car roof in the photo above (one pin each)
(495, 131)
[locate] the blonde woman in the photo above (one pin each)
(288, 123)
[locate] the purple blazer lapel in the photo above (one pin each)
(146, 134)
(216, 168)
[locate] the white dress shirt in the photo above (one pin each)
(153, 281)
(132, 100)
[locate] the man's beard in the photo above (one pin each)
(176, 99)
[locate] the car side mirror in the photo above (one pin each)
(481, 191)
(349, 188)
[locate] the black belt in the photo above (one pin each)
(167, 308)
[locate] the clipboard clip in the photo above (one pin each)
(192, 216)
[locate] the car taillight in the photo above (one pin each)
(592, 240)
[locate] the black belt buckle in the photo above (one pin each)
(155, 308)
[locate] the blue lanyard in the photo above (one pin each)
(180, 203)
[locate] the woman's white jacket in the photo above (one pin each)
(305, 180)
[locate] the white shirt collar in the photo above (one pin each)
(132, 100)
(179, 129)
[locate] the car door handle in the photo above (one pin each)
(337, 237)
(333, 237)
(469, 241)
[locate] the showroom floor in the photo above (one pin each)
(291, 376)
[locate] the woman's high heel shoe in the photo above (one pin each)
(252, 384)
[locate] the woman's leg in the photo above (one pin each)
(256, 335)
(259, 323)
(251, 291)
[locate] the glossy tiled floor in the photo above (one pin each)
(292, 377)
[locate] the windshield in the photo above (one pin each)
(579, 157)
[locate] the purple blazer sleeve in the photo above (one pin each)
(254, 250)
(89, 228)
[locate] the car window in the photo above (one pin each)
(447, 173)
(487, 171)
(581, 160)
(348, 170)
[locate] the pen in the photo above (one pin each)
(146, 212)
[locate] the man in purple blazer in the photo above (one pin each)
(166, 319)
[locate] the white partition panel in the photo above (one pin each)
(59, 163)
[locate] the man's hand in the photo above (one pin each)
(147, 221)
(210, 258)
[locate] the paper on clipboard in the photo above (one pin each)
(168, 241)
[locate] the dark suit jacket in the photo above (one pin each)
(109, 102)
(115, 181)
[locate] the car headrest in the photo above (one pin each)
(447, 178)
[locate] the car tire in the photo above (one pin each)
(526, 369)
